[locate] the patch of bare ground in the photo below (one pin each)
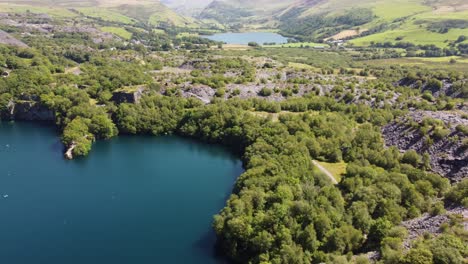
(73, 70)
(347, 33)
(450, 8)
(7, 39)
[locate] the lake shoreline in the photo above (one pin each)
(109, 183)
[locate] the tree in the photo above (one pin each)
(253, 44)
(378, 230)
(77, 133)
(102, 127)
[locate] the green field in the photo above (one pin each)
(298, 45)
(52, 11)
(187, 34)
(121, 32)
(336, 169)
(389, 11)
(106, 15)
(414, 34)
(172, 18)
(458, 59)
(415, 28)
(461, 64)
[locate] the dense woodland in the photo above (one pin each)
(282, 210)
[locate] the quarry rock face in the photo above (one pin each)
(448, 157)
(29, 111)
(132, 96)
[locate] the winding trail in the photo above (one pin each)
(320, 167)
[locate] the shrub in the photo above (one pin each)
(220, 92)
(462, 129)
(265, 92)
(434, 84)
(411, 157)
(458, 194)
(437, 209)
(428, 96)
(440, 133)
(464, 144)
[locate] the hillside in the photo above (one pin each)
(344, 150)
(244, 12)
(421, 22)
(123, 11)
(187, 7)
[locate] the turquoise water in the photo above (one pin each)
(133, 200)
(245, 38)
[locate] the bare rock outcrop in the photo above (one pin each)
(7, 39)
(69, 152)
(431, 224)
(128, 95)
(448, 156)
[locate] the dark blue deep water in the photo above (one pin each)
(132, 200)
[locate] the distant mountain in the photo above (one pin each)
(187, 7)
(237, 13)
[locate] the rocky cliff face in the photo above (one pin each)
(28, 111)
(448, 157)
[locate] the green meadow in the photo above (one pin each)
(106, 15)
(415, 27)
(121, 32)
(52, 11)
(298, 45)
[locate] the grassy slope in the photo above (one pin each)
(336, 169)
(52, 11)
(388, 11)
(106, 15)
(419, 34)
(123, 11)
(121, 32)
(461, 64)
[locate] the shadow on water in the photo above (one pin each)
(207, 246)
(57, 146)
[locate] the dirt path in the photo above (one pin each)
(320, 167)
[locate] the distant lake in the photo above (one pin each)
(137, 199)
(245, 38)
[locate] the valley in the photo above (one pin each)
(350, 119)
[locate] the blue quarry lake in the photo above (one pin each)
(137, 199)
(245, 38)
